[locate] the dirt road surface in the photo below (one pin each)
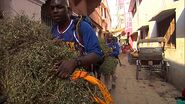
(143, 91)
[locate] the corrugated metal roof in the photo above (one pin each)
(143, 27)
(163, 14)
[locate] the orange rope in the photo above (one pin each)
(94, 81)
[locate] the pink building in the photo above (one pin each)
(128, 16)
(101, 18)
(124, 7)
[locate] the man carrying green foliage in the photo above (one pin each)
(64, 30)
(113, 56)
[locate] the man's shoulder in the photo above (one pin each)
(84, 24)
(54, 28)
(83, 20)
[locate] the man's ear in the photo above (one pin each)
(70, 10)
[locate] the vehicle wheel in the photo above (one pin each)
(166, 76)
(137, 72)
(165, 69)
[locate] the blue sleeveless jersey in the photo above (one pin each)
(90, 40)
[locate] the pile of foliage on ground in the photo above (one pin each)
(110, 63)
(27, 57)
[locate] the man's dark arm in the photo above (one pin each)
(67, 67)
(87, 60)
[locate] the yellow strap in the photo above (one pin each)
(78, 27)
(107, 97)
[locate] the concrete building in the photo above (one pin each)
(128, 16)
(163, 18)
(128, 20)
(101, 18)
(32, 8)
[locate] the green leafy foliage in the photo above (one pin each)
(110, 63)
(27, 57)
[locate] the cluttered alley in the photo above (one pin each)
(40, 49)
(143, 91)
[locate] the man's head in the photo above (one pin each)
(60, 11)
(115, 39)
(109, 37)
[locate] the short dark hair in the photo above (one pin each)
(67, 2)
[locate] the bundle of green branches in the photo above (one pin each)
(26, 72)
(106, 50)
(110, 63)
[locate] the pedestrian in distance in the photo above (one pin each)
(115, 49)
(110, 80)
(115, 52)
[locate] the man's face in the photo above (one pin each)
(109, 38)
(59, 11)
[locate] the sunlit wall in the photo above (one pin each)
(148, 9)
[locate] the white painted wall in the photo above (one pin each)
(32, 8)
(149, 8)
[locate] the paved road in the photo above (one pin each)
(130, 91)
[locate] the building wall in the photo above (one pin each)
(177, 56)
(149, 8)
(103, 22)
(81, 8)
(106, 20)
(96, 16)
(121, 14)
(128, 22)
(5, 7)
(128, 16)
(31, 8)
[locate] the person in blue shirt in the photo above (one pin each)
(115, 48)
(112, 43)
(64, 30)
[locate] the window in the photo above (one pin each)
(167, 29)
(105, 13)
(102, 12)
(134, 10)
(144, 33)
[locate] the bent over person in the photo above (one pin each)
(63, 30)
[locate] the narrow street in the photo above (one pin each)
(144, 91)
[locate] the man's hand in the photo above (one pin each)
(66, 68)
